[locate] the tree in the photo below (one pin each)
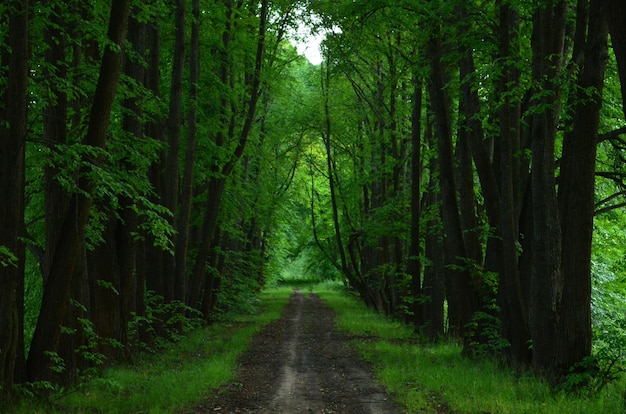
(13, 131)
(577, 190)
(65, 264)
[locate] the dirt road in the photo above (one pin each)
(301, 364)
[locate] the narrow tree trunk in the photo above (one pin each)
(169, 196)
(615, 13)
(153, 254)
(227, 134)
(184, 218)
(127, 246)
(326, 137)
(414, 262)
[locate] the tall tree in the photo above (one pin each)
(460, 289)
(548, 39)
(65, 264)
(236, 124)
(187, 192)
(13, 111)
(171, 174)
(415, 254)
(577, 191)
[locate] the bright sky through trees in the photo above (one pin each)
(308, 43)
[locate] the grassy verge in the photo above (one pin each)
(177, 377)
(436, 378)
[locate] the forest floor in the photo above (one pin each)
(301, 364)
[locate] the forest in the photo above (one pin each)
(460, 166)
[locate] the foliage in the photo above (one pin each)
(7, 258)
(175, 377)
(608, 362)
(275, 192)
(163, 320)
(428, 377)
(486, 341)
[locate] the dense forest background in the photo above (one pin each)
(459, 165)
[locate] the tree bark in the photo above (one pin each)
(615, 13)
(153, 255)
(131, 288)
(169, 197)
(414, 262)
(182, 240)
(547, 43)
(460, 289)
(514, 307)
(576, 198)
(223, 168)
(13, 130)
(65, 263)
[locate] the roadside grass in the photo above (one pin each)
(173, 379)
(436, 378)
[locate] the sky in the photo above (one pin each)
(307, 43)
(309, 46)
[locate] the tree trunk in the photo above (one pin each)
(460, 290)
(13, 130)
(615, 11)
(326, 137)
(182, 240)
(169, 196)
(153, 255)
(127, 246)
(104, 287)
(576, 198)
(223, 168)
(514, 306)
(547, 43)
(414, 262)
(434, 273)
(65, 263)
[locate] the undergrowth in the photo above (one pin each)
(179, 376)
(436, 378)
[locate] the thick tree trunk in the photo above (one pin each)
(514, 306)
(460, 289)
(434, 273)
(547, 42)
(65, 263)
(104, 287)
(13, 130)
(200, 276)
(576, 198)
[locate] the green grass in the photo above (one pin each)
(426, 378)
(175, 378)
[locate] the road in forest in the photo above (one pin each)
(301, 364)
